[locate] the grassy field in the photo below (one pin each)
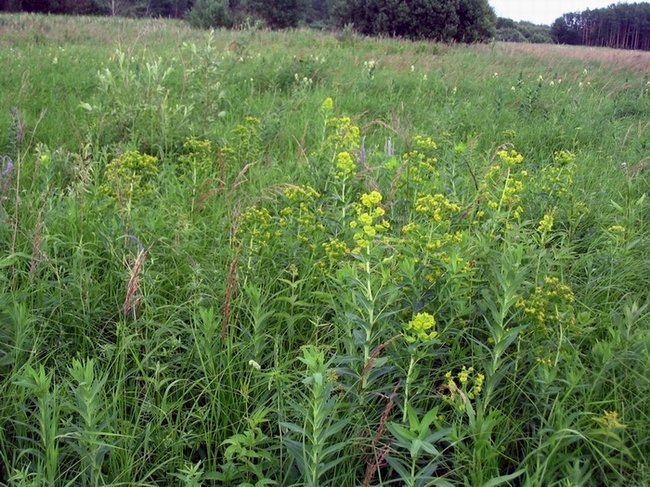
(251, 258)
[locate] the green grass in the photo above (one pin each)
(298, 258)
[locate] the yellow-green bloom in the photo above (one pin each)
(546, 224)
(371, 199)
(510, 158)
(421, 327)
(328, 104)
(345, 165)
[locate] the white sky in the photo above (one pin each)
(544, 11)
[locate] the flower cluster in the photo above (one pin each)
(436, 206)
(467, 384)
(327, 106)
(303, 214)
(130, 177)
(345, 165)
(548, 305)
(344, 135)
(301, 193)
(246, 146)
(335, 249)
(610, 421)
(422, 327)
(369, 68)
(557, 177)
(255, 224)
(420, 169)
(546, 224)
(369, 219)
(503, 186)
(511, 158)
(196, 163)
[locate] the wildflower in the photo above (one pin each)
(545, 224)
(610, 420)
(510, 158)
(371, 199)
(345, 165)
(421, 327)
(563, 157)
(9, 166)
(362, 151)
(617, 229)
(130, 176)
(255, 365)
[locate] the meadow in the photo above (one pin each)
(301, 258)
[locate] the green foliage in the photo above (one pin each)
(510, 31)
(279, 14)
(209, 14)
(619, 26)
(225, 274)
(510, 35)
(459, 21)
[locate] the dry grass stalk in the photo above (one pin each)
(240, 177)
(378, 456)
(376, 353)
(133, 286)
(613, 58)
(36, 246)
(230, 289)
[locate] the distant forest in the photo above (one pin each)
(621, 26)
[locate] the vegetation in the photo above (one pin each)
(619, 26)
(289, 258)
(448, 21)
(510, 31)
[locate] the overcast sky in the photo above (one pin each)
(544, 11)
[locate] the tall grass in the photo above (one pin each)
(298, 258)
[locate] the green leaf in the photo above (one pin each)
(503, 479)
(428, 419)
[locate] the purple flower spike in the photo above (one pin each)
(9, 166)
(362, 151)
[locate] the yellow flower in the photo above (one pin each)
(328, 104)
(610, 420)
(365, 218)
(545, 224)
(510, 158)
(421, 327)
(371, 199)
(345, 165)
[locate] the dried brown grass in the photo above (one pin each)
(619, 59)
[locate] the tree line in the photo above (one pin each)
(619, 26)
(441, 20)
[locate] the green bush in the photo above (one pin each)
(210, 14)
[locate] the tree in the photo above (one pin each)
(210, 14)
(442, 20)
(477, 21)
(278, 14)
(565, 30)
